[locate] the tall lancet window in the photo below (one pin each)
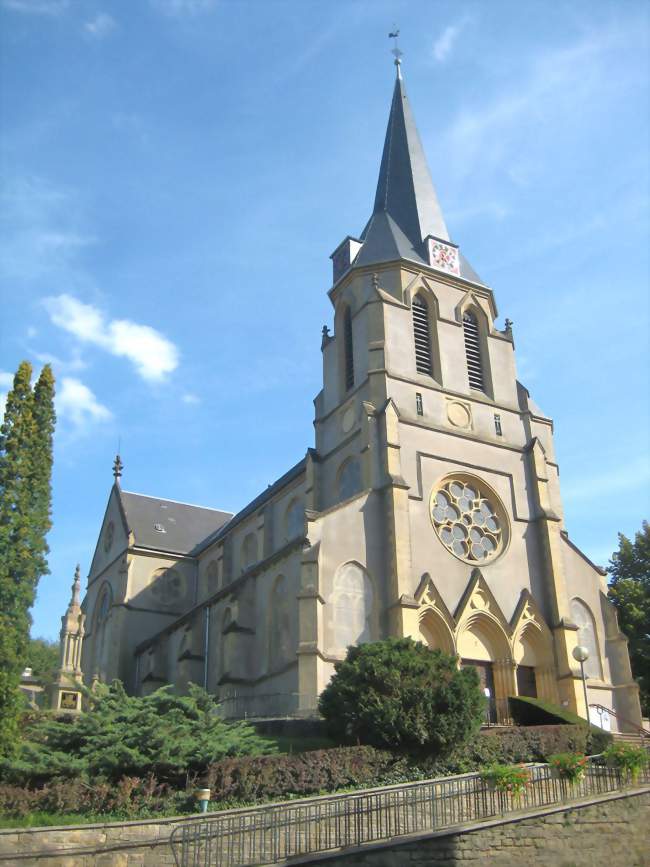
(348, 349)
(473, 351)
(422, 336)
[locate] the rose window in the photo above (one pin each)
(468, 520)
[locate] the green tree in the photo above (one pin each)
(43, 658)
(400, 694)
(629, 590)
(162, 734)
(25, 468)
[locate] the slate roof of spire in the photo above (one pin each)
(406, 205)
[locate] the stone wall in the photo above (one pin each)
(612, 831)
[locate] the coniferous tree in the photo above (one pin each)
(25, 468)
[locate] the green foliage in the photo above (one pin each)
(631, 760)
(43, 658)
(534, 711)
(400, 694)
(236, 781)
(162, 734)
(25, 469)
(629, 591)
(251, 779)
(569, 766)
(510, 779)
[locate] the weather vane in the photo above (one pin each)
(396, 49)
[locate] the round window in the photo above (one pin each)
(469, 519)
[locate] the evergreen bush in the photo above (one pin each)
(400, 694)
(167, 735)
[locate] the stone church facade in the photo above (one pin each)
(429, 506)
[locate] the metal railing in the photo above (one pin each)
(275, 832)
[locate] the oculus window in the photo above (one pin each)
(469, 519)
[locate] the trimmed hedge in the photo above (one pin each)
(535, 712)
(279, 776)
(250, 779)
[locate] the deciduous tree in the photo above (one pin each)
(629, 590)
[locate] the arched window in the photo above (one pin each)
(473, 351)
(249, 551)
(349, 482)
(280, 624)
(583, 619)
(104, 605)
(295, 523)
(348, 349)
(352, 605)
(422, 336)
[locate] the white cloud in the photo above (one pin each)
(191, 398)
(184, 7)
(152, 354)
(37, 7)
(32, 332)
(100, 26)
(444, 44)
(77, 403)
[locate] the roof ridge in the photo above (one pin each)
(178, 502)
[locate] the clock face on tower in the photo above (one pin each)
(444, 256)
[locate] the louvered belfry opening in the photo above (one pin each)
(422, 336)
(348, 349)
(473, 351)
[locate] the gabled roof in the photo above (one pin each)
(181, 526)
(406, 207)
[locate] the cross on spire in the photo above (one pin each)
(118, 466)
(394, 35)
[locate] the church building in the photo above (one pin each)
(428, 507)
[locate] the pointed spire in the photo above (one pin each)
(76, 587)
(405, 190)
(118, 466)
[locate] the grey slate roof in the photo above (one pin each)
(184, 526)
(406, 206)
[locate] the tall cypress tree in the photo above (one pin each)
(25, 469)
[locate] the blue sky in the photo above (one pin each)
(177, 172)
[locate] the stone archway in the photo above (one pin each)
(483, 643)
(435, 632)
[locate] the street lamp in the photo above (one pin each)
(581, 654)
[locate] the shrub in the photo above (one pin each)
(630, 760)
(510, 779)
(537, 743)
(127, 798)
(250, 779)
(400, 694)
(569, 766)
(534, 711)
(120, 736)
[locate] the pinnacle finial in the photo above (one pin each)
(118, 466)
(396, 51)
(76, 587)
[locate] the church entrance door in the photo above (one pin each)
(526, 683)
(486, 684)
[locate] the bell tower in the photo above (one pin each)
(421, 416)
